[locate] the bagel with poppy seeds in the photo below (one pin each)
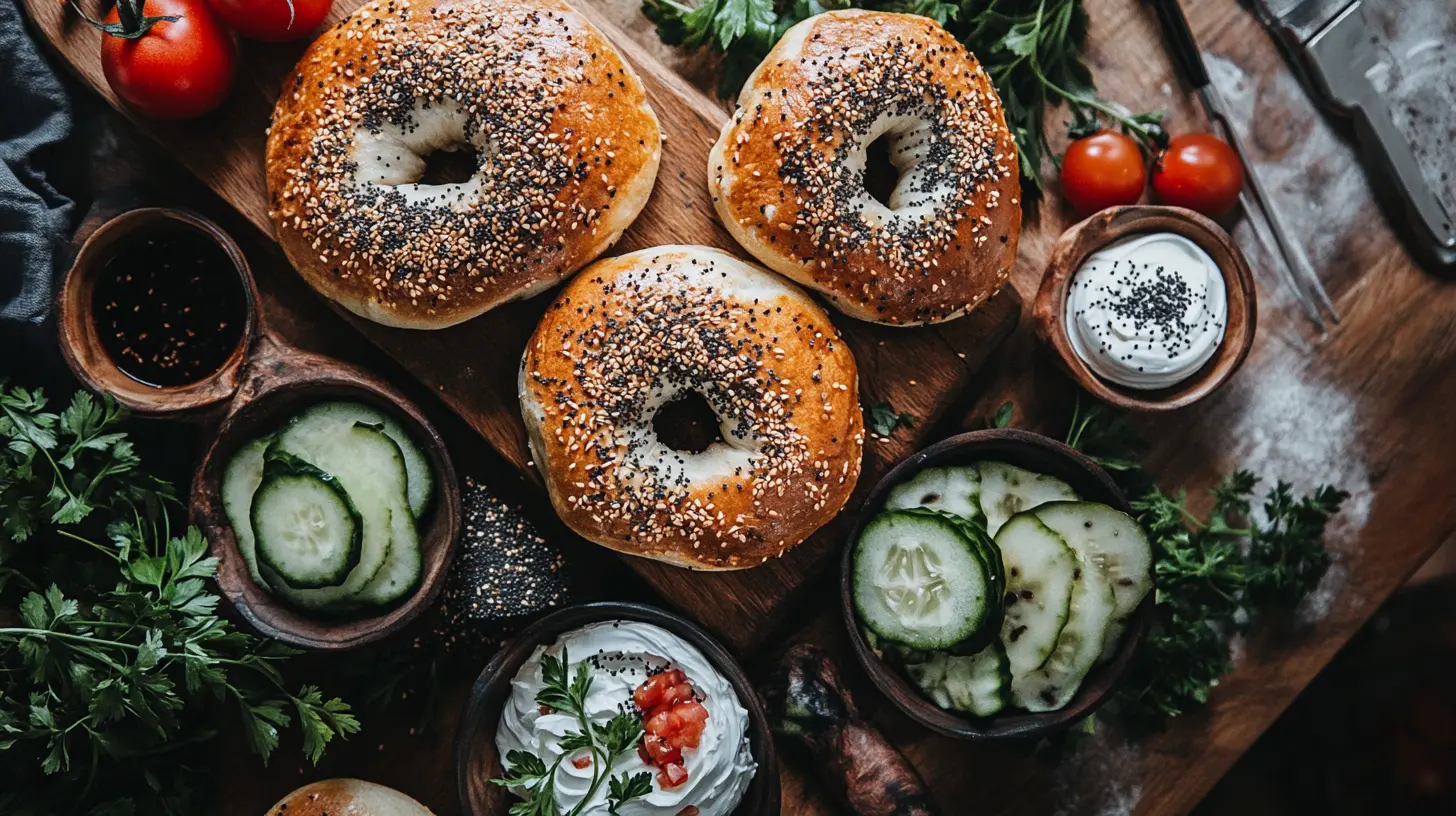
(787, 175)
(565, 152)
(632, 334)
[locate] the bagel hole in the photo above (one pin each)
(453, 165)
(687, 424)
(881, 176)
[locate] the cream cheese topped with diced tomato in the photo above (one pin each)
(694, 742)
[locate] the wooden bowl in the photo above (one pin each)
(476, 761)
(80, 339)
(1036, 453)
(280, 382)
(1116, 223)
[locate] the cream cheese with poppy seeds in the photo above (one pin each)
(1148, 311)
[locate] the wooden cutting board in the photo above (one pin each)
(473, 366)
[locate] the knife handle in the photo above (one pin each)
(1180, 40)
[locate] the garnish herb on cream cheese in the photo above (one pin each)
(1148, 311)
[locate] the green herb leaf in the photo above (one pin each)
(623, 789)
(884, 419)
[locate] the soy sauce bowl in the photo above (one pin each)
(1039, 454)
(476, 759)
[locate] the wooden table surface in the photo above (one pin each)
(1366, 406)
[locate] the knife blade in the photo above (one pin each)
(1338, 50)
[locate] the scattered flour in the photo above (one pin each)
(1100, 777)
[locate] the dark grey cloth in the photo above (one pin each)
(35, 219)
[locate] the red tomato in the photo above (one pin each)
(176, 70)
(1201, 172)
(581, 763)
(652, 691)
(1103, 170)
(655, 750)
(672, 775)
(273, 20)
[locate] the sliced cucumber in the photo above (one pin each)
(1078, 646)
(954, 490)
(1007, 490)
(240, 480)
(919, 580)
(401, 572)
(1115, 544)
(371, 469)
(1040, 573)
(979, 684)
(308, 531)
(325, 418)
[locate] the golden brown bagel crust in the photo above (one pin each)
(758, 349)
(347, 797)
(576, 144)
(781, 184)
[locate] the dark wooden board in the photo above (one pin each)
(473, 366)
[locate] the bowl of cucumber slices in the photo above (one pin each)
(994, 585)
(331, 505)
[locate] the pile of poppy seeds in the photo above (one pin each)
(504, 575)
(1157, 298)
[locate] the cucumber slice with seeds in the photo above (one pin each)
(978, 684)
(325, 418)
(1078, 646)
(1007, 490)
(918, 580)
(954, 490)
(240, 480)
(1113, 543)
(308, 531)
(1040, 572)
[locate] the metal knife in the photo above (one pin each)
(1337, 48)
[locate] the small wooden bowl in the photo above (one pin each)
(1116, 223)
(1036, 453)
(80, 339)
(262, 383)
(280, 382)
(476, 761)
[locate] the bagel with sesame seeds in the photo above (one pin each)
(632, 334)
(563, 146)
(788, 173)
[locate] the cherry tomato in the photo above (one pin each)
(273, 20)
(1201, 172)
(1103, 170)
(175, 70)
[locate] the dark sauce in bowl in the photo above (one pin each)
(169, 307)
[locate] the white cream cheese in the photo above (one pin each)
(1147, 311)
(622, 654)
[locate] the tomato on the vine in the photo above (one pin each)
(167, 68)
(1103, 170)
(1201, 172)
(273, 20)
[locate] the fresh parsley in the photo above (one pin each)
(1214, 575)
(1031, 49)
(565, 692)
(115, 665)
(884, 419)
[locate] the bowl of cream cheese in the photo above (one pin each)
(1149, 308)
(620, 708)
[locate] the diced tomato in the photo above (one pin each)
(672, 775)
(658, 751)
(544, 710)
(690, 810)
(665, 722)
(650, 694)
(680, 693)
(581, 762)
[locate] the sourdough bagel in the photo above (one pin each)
(788, 172)
(347, 797)
(566, 152)
(633, 333)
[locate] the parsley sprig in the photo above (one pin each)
(565, 692)
(116, 663)
(1215, 575)
(1032, 50)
